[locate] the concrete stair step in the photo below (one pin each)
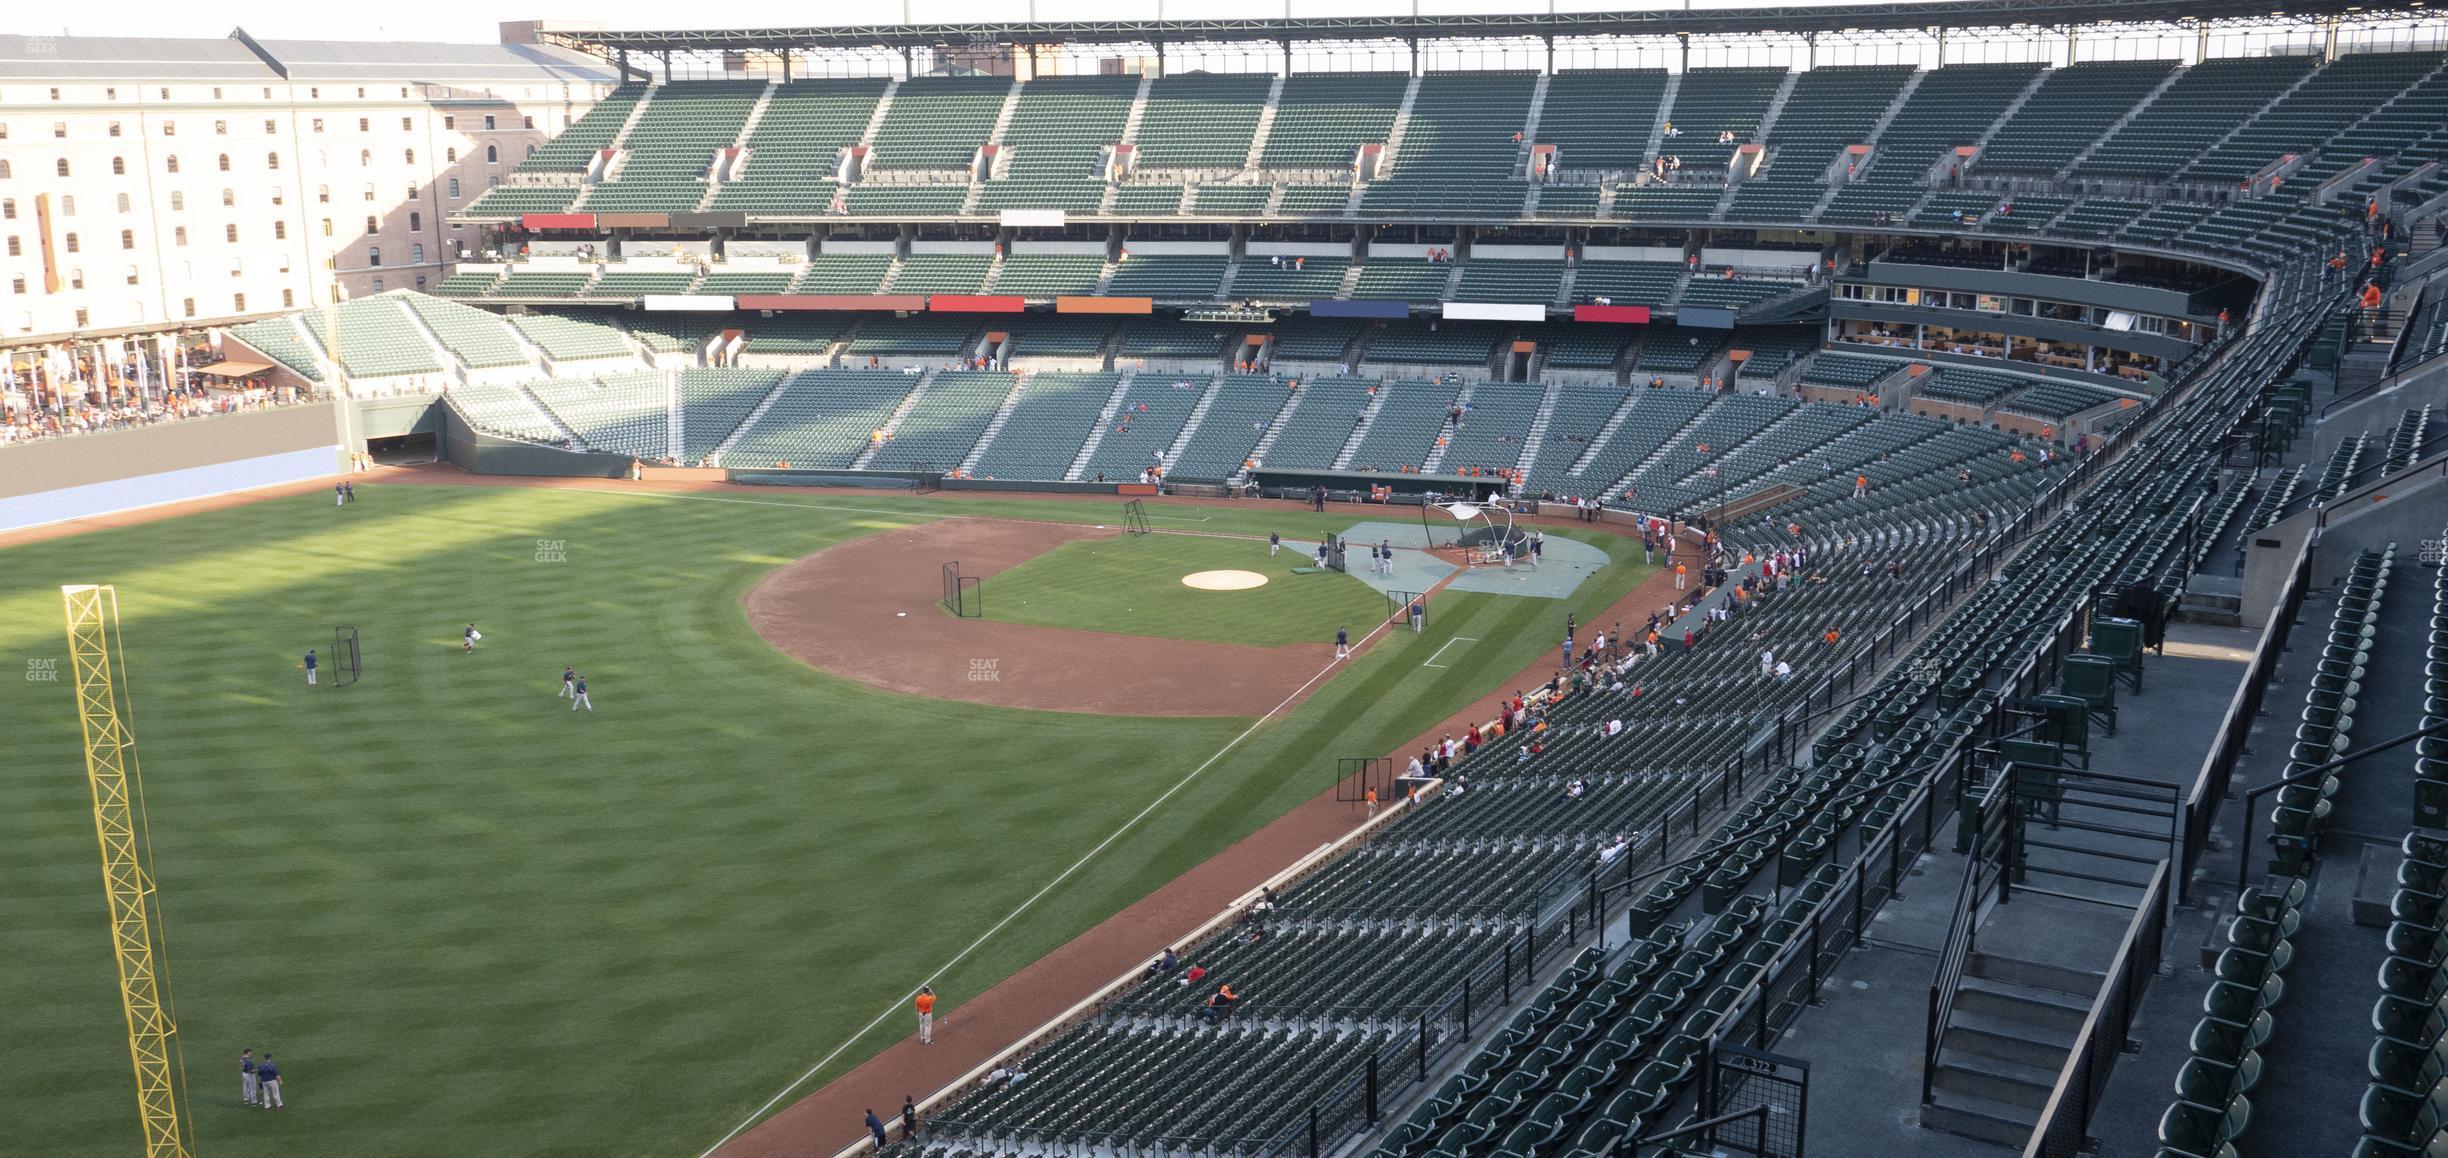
(2039, 1007)
(2083, 984)
(1996, 1079)
(1977, 1117)
(1974, 1036)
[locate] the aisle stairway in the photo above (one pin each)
(893, 424)
(994, 426)
(1105, 423)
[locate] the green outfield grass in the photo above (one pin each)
(469, 921)
(1132, 585)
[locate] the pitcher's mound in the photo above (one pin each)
(1223, 580)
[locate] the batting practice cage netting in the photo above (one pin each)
(347, 664)
(963, 595)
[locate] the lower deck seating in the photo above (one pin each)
(1321, 421)
(278, 339)
(1144, 426)
(822, 418)
(618, 413)
(377, 339)
(1412, 419)
(503, 410)
(1245, 406)
(1047, 427)
(1489, 436)
(563, 339)
(939, 430)
(714, 401)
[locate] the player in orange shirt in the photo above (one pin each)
(926, 1015)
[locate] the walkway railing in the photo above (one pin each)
(2209, 789)
(1990, 840)
(2067, 1114)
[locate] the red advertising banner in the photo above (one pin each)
(1637, 315)
(975, 304)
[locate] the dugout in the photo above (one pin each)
(1366, 485)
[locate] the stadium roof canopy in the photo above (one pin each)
(240, 57)
(1640, 22)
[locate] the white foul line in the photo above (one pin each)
(1432, 658)
(903, 1001)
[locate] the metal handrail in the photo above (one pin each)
(2102, 1036)
(2313, 775)
(2209, 788)
(1955, 956)
(1759, 1111)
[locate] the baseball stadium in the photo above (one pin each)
(1796, 580)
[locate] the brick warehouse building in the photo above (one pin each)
(157, 183)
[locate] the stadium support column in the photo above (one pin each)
(1810, 50)
(1942, 46)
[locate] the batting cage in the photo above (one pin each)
(963, 595)
(1407, 609)
(347, 663)
(1355, 776)
(1134, 517)
(1484, 531)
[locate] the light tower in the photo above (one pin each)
(106, 714)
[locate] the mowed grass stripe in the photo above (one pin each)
(470, 921)
(1132, 586)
